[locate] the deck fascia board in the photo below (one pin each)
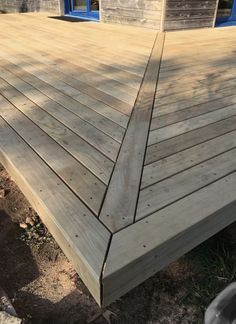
(81, 236)
(142, 249)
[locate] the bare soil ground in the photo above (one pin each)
(44, 288)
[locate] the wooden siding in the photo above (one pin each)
(186, 14)
(146, 13)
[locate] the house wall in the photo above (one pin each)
(50, 6)
(29, 5)
(145, 13)
(185, 14)
(157, 14)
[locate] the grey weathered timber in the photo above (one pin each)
(143, 13)
(159, 170)
(81, 236)
(120, 202)
(139, 251)
(62, 122)
(185, 14)
(156, 14)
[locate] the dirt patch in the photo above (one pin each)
(44, 288)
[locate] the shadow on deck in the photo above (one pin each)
(126, 150)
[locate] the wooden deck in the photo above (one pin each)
(123, 140)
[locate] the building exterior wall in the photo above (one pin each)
(157, 14)
(29, 5)
(186, 14)
(50, 6)
(145, 13)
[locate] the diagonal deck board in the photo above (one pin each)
(80, 149)
(92, 135)
(89, 188)
(112, 123)
(191, 112)
(120, 203)
(141, 250)
(49, 89)
(190, 159)
(177, 144)
(80, 234)
(166, 192)
(164, 133)
(183, 160)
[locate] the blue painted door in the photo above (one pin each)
(84, 9)
(226, 14)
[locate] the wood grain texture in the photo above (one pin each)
(183, 160)
(89, 189)
(182, 14)
(86, 131)
(81, 236)
(190, 124)
(60, 103)
(174, 188)
(139, 251)
(90, 116)
(119, 206)
(65, 105)
(145, 13)
(96, 162)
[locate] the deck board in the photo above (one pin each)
(80, 234)
(119, 207)
(95, 120)
(50, 90)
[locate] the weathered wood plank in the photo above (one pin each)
(177, 116)
(190, 124)
(178, 162)
(120, 202)
(47, 87)
(92, 135)
(176, 144)
(76, 146)
(187, 103)
(176, 187)
(189, 14)
(108, 56)
(89, 188)
(81, 236)
(139, 251)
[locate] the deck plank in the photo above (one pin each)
(190, 124)
(139, 251)
(80, 149)
(174, 117)
(119, 205)
(92, 135)
(50, 90)
(174, 188)
(159, 170)
(89, 189)
(81, 236)
(176, 144)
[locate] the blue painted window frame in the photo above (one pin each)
(87, 14)
(230, 20)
